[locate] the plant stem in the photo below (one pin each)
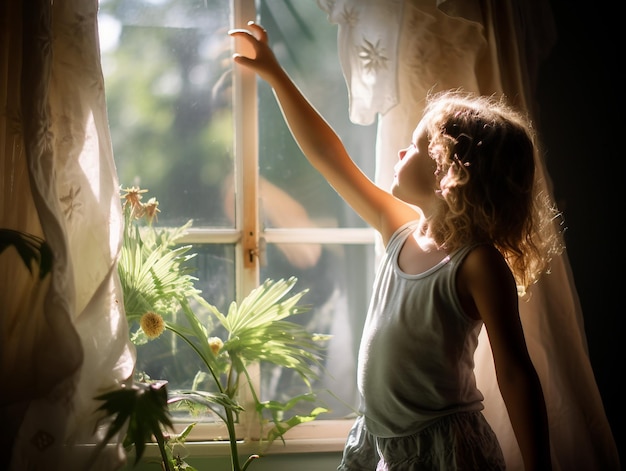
(161, 442)
(229, 416)
(173, 328)
(250, 459)
(232, 436)
(184, 303)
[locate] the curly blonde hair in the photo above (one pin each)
(486, 155)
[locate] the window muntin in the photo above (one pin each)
(181, 126)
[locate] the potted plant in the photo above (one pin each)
(156, 284)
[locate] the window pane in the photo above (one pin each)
(168, 357)
(166, 66)
(294, 195)
(306, 44)
(335, 277)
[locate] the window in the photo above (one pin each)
(209, 142)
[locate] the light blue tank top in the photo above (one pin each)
(416, 359)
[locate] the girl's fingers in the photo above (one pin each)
(240, 32)
(254, 30)
(242, 60)
(261, 34)
(255, 35)
(248, 46)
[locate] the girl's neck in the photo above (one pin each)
(426, 237)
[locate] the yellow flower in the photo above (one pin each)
(216, 344)
(152, 324)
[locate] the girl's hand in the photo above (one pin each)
(263, 62)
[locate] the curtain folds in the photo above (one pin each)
(393, 52)
(64, 337)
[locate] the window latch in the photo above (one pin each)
(260, 252)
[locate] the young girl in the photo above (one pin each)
(461, 230)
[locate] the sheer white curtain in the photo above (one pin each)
(392, 53)
(64, 339)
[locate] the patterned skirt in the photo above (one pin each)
(462, 441)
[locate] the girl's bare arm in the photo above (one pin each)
(319, 142)
(486, 279)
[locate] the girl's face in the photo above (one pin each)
(414, 179)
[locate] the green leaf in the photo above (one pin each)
(143, 406)
(283, 426)
(152, 270)
(207, 399)
(30, 248)
(264, 305)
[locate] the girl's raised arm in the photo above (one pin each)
(318, 141)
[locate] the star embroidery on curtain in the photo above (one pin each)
(372, 56)
(327, 5)
(71, 203)
(80, 27)
(350, 16)
(45, 136)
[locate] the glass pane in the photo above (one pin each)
(167, 73)
(306, 45)
(168, 357)
(294, 195)
(338, 280)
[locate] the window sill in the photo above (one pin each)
(323, 436)
(200, 450)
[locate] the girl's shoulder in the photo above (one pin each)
(483, 259)
(485, 281)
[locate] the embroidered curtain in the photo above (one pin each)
(395, 51)
(64, 337)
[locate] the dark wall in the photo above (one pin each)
(580, 93)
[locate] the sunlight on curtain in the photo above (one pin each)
(64, 338)
(393, 53)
